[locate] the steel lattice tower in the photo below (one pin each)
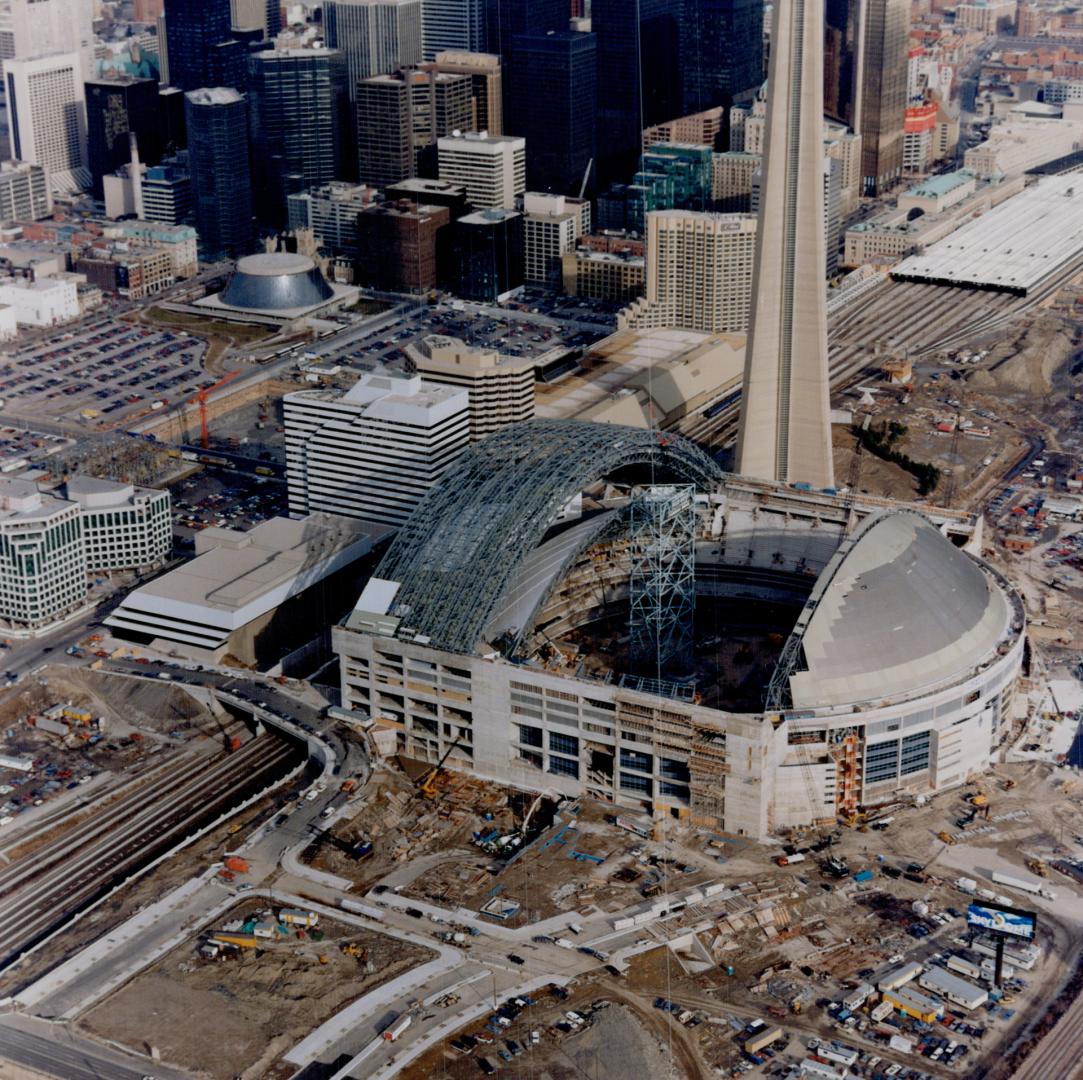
(662, 588)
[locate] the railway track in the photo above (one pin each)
(1058, 1056)
(925, 319)
(42, 893)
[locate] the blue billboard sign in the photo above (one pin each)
(1006, 921)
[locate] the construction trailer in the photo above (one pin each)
(899, 976)
(298, 917)
(915, 1004)
(954, 989)
(762, 1039)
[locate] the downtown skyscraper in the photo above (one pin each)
(866, 50)
(721, 51)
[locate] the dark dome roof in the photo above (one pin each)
(276, 281)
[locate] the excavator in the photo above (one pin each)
(427, 781)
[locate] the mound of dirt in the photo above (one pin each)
(161, 707)
(1037, 355)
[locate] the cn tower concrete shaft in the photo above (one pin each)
(785, 430)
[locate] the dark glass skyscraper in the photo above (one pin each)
(638, 45)
(844, 45)
(553, 80)
(296, 113)
(506, 19)
(883, 93)
(866, 49)
(202, 51)
(217, 121)
(721, 51)
(113, 108)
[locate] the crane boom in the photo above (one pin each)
(426, 783)
(201, 400)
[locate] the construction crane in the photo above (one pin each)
(586, 177)
(426, 782)
(201, 400)
(949, 493)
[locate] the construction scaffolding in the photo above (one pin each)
(662, 588)
(457, 554)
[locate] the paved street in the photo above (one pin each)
(53, 1051)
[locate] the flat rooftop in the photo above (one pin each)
(1013, 247)
(246, 574)
(634, 372)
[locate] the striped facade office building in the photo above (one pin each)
(373, 452)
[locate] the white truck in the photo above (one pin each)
(1035, 888)
(393, 1031)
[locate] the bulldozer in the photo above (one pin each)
(1036, 866)
(945, 837)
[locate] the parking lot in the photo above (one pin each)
(224, 499)
(102, 374)
(20, 448)
(528, 327)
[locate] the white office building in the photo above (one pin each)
(48, 302)
(24, 192)
(552, 225)
(123, 526)
(51, 541)
(32, 28)
(330, 212)
(373, 452)
(377, 36)
(492, 168)
(457, 25)
(42, 566)
(699, 272)
(47, 113)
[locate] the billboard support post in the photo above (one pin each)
(999, 972)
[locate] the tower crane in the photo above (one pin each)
(201, 400)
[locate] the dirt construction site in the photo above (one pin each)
(440, 850)
(790, 947)
(246, 1006)
(971, 413)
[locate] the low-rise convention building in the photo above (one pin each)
(248, 594)
(648, 377)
